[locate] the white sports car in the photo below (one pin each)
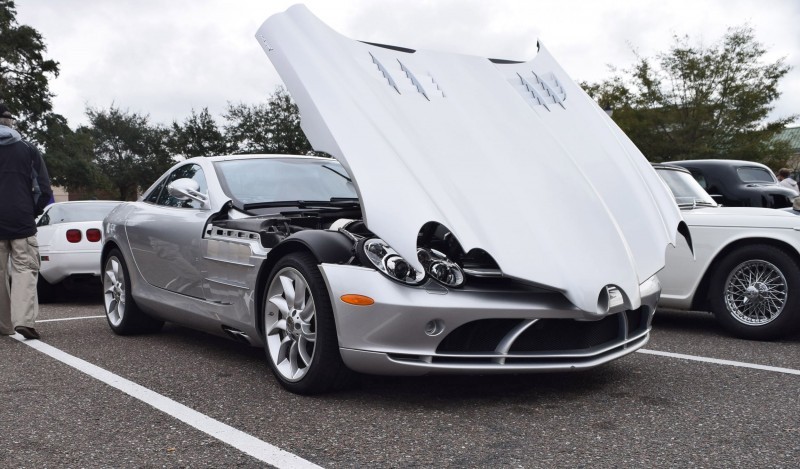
(746, 268)
(70, 235)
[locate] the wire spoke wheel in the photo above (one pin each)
(756, 292)
(290, 324)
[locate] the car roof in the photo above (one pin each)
(670, 167)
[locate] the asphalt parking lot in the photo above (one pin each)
(83, 397)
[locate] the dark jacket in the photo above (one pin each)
(24, 185)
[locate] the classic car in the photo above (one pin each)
(434, 242)
(745, 268)
(69, 236)
(735, 183)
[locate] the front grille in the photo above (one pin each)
(477, 336)
(637, 320)
(550, 335)
(545, 335)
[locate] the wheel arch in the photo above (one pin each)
(701, 299)
(108, 247)
(326, 247)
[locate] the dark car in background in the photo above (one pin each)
(737, 183)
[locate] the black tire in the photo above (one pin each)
(123, 315)
(317, 365)
(755, 293)
(46, 292)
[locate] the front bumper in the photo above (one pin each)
(429, 329)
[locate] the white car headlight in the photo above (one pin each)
(440, 268)
(387, 261)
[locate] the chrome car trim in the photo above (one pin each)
(228, 284)
(478, 272)
(505, 345)
(228, 234)
(381, 363)
(226, 261)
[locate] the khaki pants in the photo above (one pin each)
(19, 305)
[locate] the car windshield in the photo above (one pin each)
(268, 180)
(77, 212)
(753, 174)
(685, 189)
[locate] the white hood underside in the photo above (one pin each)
(513, 158)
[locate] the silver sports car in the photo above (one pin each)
(436, 241)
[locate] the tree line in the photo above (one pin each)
(119, 153)
(688, 102)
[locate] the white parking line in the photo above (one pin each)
(70, 319)
(717, 361)
(244, 442)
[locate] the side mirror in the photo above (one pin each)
(187, 189)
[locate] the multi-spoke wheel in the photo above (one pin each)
(300, 335)
(754, 292)
(123, 315)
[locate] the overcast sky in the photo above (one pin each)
(165, 58)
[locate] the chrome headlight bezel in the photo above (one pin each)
(387, 261)
(440, 268)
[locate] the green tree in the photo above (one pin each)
(273, 127)
(69, 158)
(199, 135)
(129, 151)
(695, 102)
(24, 72)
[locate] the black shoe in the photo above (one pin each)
(27, 332)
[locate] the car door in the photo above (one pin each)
(165, 236)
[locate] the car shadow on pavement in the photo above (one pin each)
(685, 321)
(78, 292)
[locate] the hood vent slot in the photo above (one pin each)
(422, 84)
(542, 90)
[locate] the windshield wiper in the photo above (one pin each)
(695, 203)
(333, 202)
(337, 172)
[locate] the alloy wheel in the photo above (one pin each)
(114, 291)
(290, 324)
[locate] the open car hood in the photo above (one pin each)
(513, 157)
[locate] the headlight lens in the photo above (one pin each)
(442, 269)
(386, 259)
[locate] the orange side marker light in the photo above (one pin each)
(357, 300)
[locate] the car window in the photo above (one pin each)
(44, 219)
(754, 174)
(700, 178)
(272, 180)
(191, 171)
(684, 188)
(152, 197)
(76, 212)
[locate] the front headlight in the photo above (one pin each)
(442, 269)
(386, 260)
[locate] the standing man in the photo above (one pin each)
(24, 192)
(784, 179)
